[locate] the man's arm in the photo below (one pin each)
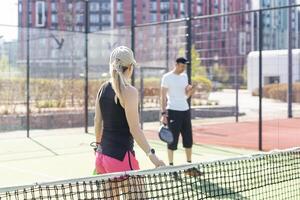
(163, 104)
(189, 90)
(163, 99)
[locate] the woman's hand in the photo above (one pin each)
(156, 161)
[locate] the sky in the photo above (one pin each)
(8, 16)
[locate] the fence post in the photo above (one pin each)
(86, 86)
(167, 46)
(132, 38)
(142, 98)
(290, 63)
(28, 72)
(236, 69)
(260, 44)
(189, 45)
(189, 41)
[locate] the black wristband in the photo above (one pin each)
(151, 152)
(163, 113)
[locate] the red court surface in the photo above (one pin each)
(277, 134)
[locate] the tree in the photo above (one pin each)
(244, 75)
(4, 64)
(220, 74)
(197, 69)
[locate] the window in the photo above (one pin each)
(106, 28)
(79, 18)
(247, 7)
(247, 17)
(163, 17)
(105, 18)
(175, 6)
(153, 6)
(224, 19)
(78, 6)
(54, 18)
(242, 43)
(53, 7)
(293, 15)
(271, 79)
(94, 28)
(119, 6)
(182, 7)
(78, 28)
(94, 6)
(153, 17)
(120, 18)
(216, 3)
(199, 10)
(70, 6)
(94, 18)
(54, 52)
(216, 7)
(267, 2)
(105, 6)
(69, 28)
(20, 7)
(30, 6)
(164, 5)
(40, 14)
(53, 26)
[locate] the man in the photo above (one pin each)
(175, 110)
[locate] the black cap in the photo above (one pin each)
(182, 60)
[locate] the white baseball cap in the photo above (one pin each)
(124, 55)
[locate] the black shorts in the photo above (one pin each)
(180, 122)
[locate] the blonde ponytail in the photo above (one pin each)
(118, 82)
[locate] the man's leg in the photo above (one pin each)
(188, 153)
(174, 124)
(170, 156)
(187, 136)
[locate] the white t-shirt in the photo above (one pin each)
(176, 84)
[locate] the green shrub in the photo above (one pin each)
(202, 81)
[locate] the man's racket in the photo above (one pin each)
(165, 134)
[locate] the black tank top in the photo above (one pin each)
(116, 139)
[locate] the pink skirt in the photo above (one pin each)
(107, 164)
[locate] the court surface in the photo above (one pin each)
(50, 155)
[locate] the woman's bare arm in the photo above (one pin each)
(131, 111)
(132, 115)
(98, 121)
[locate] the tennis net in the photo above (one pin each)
(273, 175)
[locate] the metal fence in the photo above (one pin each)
(240, 61)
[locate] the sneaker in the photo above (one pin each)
(194, 172)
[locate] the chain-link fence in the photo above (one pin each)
(225, 64)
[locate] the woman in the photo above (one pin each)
(117, 119)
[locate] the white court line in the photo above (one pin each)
(29, 172)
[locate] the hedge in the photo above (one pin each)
(280, 91)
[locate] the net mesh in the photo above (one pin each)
(274, 175)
